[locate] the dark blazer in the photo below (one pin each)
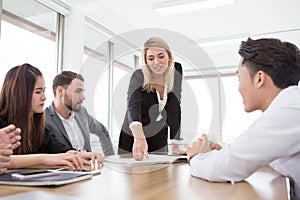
(50, 144)
(87, 124)
(143, 107)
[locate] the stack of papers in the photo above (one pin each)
(153, 159)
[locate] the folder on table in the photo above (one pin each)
(61, 178)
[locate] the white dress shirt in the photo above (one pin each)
(272, 139)
(74, 131)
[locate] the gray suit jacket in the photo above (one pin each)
(87, 124)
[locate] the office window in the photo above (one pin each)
(28, 36)
(123, 68)
(95, 72)
(95, 69)
(196, 109)
(236, 119)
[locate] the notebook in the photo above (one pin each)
(60, 178)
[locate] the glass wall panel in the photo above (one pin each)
(196, 109)
(95, 72)
(95, 69)
(33, 13)
(236, 119)
(123, 68)
(28, 36)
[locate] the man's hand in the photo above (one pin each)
(203, 145)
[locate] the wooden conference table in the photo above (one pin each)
(163, 182)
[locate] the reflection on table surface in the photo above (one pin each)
(168, 181)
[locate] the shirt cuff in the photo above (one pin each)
(199, 155)
(134, 123)
(174, 141)
(190, 158)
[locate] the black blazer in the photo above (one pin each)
(50, 144)
(143, 107)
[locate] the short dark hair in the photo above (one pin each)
(280, 60)
(64, 79)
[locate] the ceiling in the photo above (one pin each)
(245, 18)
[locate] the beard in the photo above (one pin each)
(69, 104)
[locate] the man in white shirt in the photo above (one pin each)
(68, 121)
(269, 72)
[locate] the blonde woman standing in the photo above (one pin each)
(153, 103)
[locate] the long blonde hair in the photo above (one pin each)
(148, 84)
